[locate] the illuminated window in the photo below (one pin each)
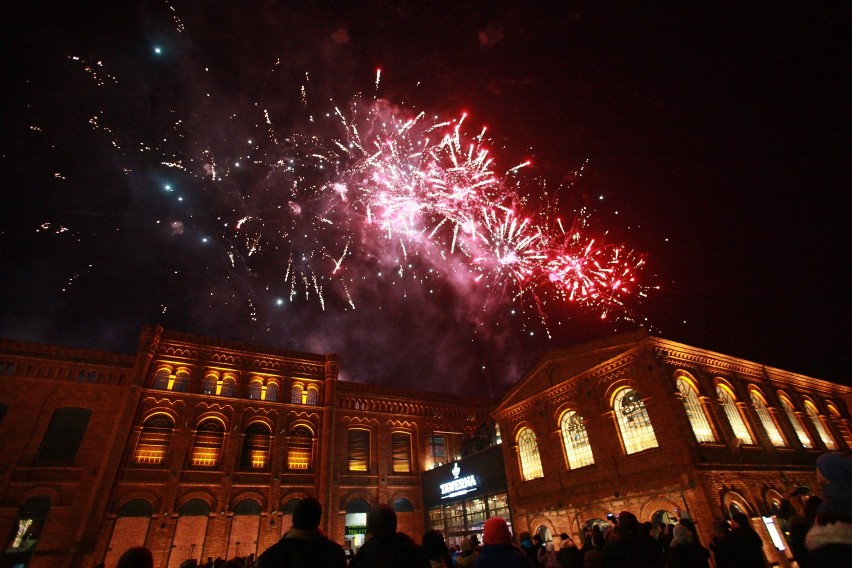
(634, 424)
(528, 454)
(359, 450)
(254, 390)
(296, 395)
(181, 380)
(311, 398)
(695, 412)
(154, 440)
(161, 381)
(766, 419)
(438, 447)
(228, 386)
(841, 424)
(729, 404)
(796, 422)
(824, 434)
(207, 448)
(497, 437)
(255, 455)
(401, 452)
(300, 450)
(63, 436)
(26, 530)
(210, 384)
(578, 451)
(272, 392)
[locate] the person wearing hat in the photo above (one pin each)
(834, 473)
(305, 545)
(498, 550)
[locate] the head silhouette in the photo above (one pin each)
(381, 521)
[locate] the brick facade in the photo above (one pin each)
(186, 453)
(680, 475)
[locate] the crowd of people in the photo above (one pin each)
(820, 536)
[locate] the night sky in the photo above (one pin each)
(712, 140)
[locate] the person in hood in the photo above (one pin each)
(386, 547)
(498, 551)
(834, 473)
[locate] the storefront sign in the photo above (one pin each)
(459, 485)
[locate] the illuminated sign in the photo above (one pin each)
(459, 485)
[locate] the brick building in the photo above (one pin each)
(662, 430)
(197, 447)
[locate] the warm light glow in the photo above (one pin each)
(695, 412)
(634, 424)
(796, 422)
(575, 439)
(529, 456)
(815, 419)
(732, 411)
(768, 423)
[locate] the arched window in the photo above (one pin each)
(194, 508)
(798, 426)
(840, 423)
(634, 424)
(575, 439)
(272, 392)
(210, 384)
(695, 412)
(207, 449)
(732, 411)
(403, 505)
(528, 455)
(823, 432)
(161, 380)
(296, 395)
(300, 449)
(26, 530)
(255, 454)
(247, 507)
(766, 419)
(312, 396)
(497, 437)
(181, 380)
(255, 390)
(401, 452)
(154, 440)
(228, 386)
(359, 449)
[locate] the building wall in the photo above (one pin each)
(680, 475)
(84, 525)
(180, 509)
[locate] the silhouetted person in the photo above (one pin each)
(436, 549)
(829, 541)
(630, 548)
(498, 551)
(387, 548)
(684, 551)
(305, 545)
(745, 543)
(136, 557)
(568, 555)
(834, 474)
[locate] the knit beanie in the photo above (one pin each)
(496, 531)
(835, 466)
